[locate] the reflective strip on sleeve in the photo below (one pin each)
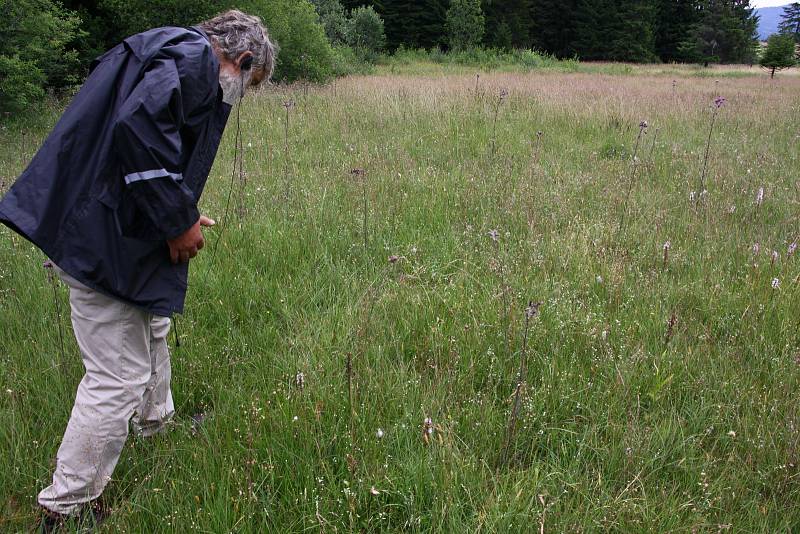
(149, 175)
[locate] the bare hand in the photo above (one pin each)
(185, 246)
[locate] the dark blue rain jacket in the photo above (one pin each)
(124, 168)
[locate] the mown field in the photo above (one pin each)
(334, 311)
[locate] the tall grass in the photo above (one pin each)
(660, 394)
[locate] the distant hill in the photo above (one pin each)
(769, 18)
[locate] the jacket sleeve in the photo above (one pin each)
(147, 138)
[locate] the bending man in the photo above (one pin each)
(111, 198)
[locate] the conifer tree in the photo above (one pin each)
(790, 21)
(779, 54)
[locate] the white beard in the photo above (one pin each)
(233, 86)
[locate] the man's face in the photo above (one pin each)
(259, 75)
(234, 83)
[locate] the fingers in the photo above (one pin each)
(207, 221)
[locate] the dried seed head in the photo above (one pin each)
(394, 258)
(358, 172)
(300, 379)
(776, 283)
(760, 196)
(288, 104)
(719, 101)
(495, 235)
(643, 125)
(427, 429)
(756, 249)
(792, 248)
(532, 309)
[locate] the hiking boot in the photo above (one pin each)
(89, 518)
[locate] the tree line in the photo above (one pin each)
(48, 44)
(704, 31)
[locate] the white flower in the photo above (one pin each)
(379, 434)
(667, 245)
(428, 425)
(760, 196)
(756, 249)
(295, 419)
(599, 279)
(692, 196)
(732, 433)
(792, 248)
(775, 256)
(776, 283)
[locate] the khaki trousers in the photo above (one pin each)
(125, 353)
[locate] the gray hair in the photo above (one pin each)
(234, 33)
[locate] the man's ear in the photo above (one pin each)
(245, 61)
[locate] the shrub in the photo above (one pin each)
(333, 18)
(305, 53)
(483, 58)
(366, 30)
(127, 17)
(34, 52)
(293, 24)
(346, 61)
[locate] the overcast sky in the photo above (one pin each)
(767, 3)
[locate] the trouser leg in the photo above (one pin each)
(114, 340)
(156, 409)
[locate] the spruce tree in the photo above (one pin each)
(465, 24)
(415, 24)
(790, 21)
(674, 21)
(591, 24)
(632, 31)
(553, 26)
(508, 23)
(724, 33)
(779, 54)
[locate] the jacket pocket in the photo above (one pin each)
(130, 221)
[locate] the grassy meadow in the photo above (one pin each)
(333, 312)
